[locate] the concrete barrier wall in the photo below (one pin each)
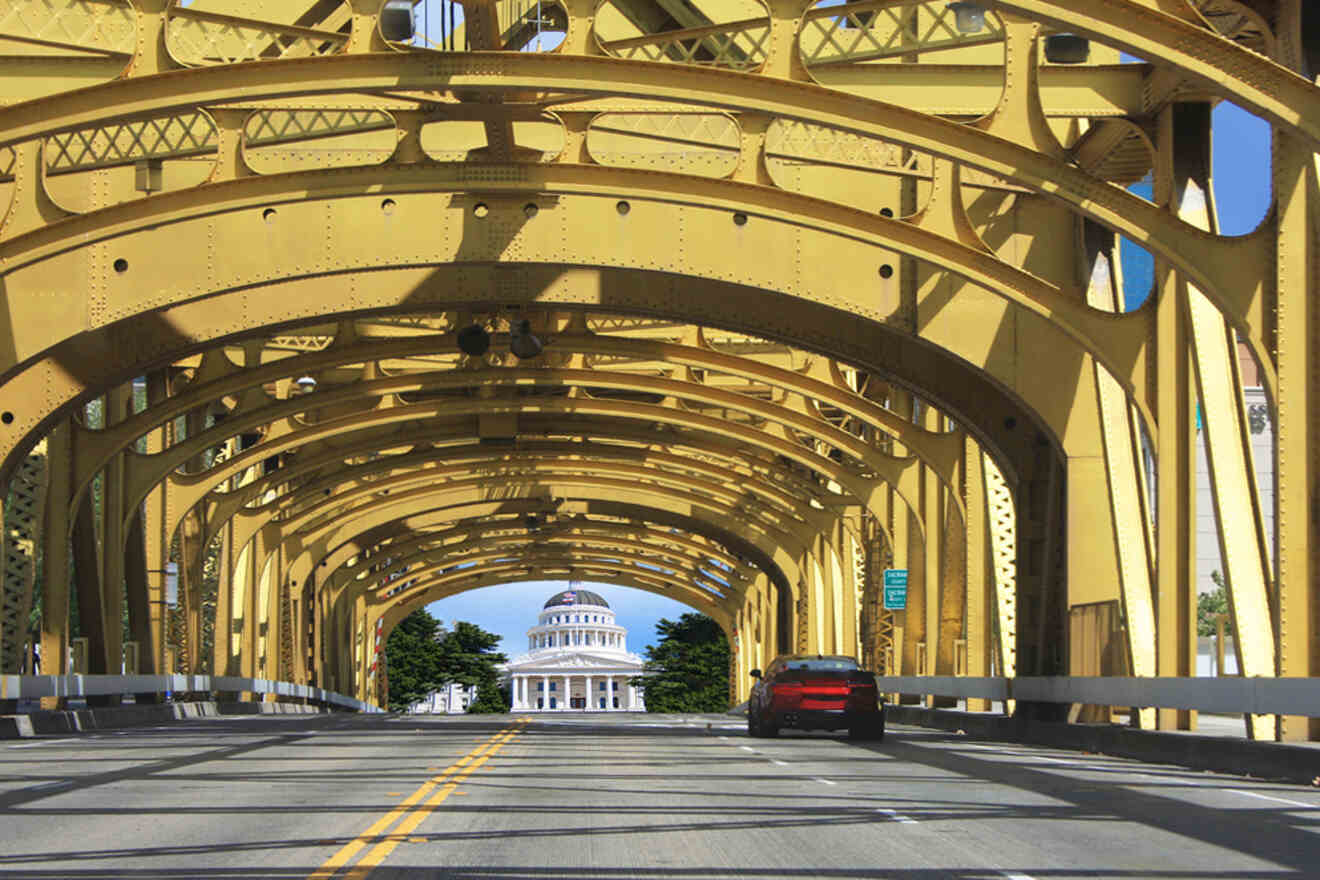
(1229, 695)
(19, 687)
(118, 717)
(1240, 757)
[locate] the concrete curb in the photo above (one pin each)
(118, 717)
(1239, 757)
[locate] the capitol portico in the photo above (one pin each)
(577, 660)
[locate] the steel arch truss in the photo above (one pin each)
(822, 290)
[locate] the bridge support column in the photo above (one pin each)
(57, 561)
(1297, 615)
(979, 631)
(1175, 512)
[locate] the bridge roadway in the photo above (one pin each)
(621, 797)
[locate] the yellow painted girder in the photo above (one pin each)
(820, 227)
(779, 546)
(1112, 206)
(513, 532)
(342, 543)
(462, 581)
(1250, 80)
(938, 450)
(885, 467)
(601, 553)
(221, 506)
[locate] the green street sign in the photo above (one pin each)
(895, 582)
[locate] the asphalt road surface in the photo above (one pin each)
(653, 797)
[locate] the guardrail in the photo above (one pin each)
(1226, 694)
(19, 687)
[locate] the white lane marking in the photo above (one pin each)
(824, 781)
(44, 742)
(747, 749)
(777, 761)
(59, 785)
(1014, 875)
(1266, 797)
(896, 816)
(725, 738)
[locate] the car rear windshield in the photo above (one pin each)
(822, 665)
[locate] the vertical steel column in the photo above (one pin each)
(21, 518)
(114, 517)
(954, 582)
(57, 559)
(1123, 462)
(1297, 519)
(978, 632)
(1175, 512)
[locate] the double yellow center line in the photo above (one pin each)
(426, 798)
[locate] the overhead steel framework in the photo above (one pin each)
(819, 290)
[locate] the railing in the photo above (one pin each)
(21, 687)
(1228, 694)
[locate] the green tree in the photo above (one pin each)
(412, 656)
(688, 671)
(468, 656)
(1211, 605)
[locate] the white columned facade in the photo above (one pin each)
(575, 638)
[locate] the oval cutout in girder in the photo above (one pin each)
(910, 53)
(277, 141)
(128, 160)
(683, 33)
(704, 144)
(198, 37)
(459, 140)
(830, 163)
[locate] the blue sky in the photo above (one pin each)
(1243, 190)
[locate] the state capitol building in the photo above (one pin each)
(577, 660)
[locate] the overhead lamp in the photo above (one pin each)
(1067, 49)
(473, 341)
(305, 384)
(522, 343)
(968, 18)
(396, 21)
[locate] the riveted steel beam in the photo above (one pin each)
(529, 72)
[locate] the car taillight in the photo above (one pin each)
(786, 689)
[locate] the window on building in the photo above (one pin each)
(553, 704)
(602, 702)
(616, 702)
(602, 685)
(554, 686)
(540, 702)
(615, 685)
(540, 685)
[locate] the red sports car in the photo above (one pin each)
(815, 692)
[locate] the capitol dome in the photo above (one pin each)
(576, 597)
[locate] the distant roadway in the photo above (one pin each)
(612, 797)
